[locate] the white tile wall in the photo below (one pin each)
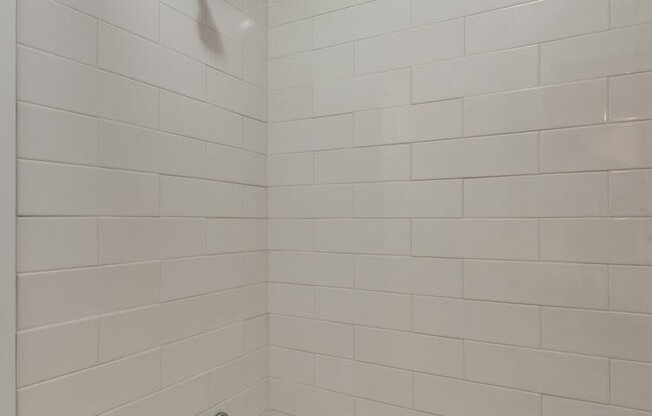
(455, 196)
(464, 195)
(139, 164)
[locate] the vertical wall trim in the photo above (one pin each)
(7, 207)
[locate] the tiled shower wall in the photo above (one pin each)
(460, 208)
(142, 206)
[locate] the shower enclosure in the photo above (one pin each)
(326, 207)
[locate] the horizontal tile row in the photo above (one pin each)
(613, 147)
(53, 351)
(57, 243)
(108, 386)
(597, 333)
(570, 195)
(621, 288)
(619, 241)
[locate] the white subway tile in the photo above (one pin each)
(56, 243)
(310, 66)
(235, 24)
(434, 121)
(288, 10)
(237, 376)
(629, 97)
(129, 55)
(482, 321)
(88, 191)
(620, 241)
(554, 284)
(363, 236)
(291, 103)
(55, 351)
(189, 397)
(535, 22)
(290, 169)
(256, 331)
(361, 307)
(138, 16)
(369, 408)
(557, 406)
(134, 239)
(631, 384)
(311, 268)
(291, 71)
(198, 275)
(291, 234)
(426, 11)
(298, 399)
(295, 300)
(254, 135)
(200, 198)
(508, 239)
(354, 23)
(52, 297)
(138, 330)
(334, 62)
(232, 306)
(419, 276)
(365, 380)
(566, 195)
(192, 8)
(410, 47)
(95, 390)
(186, 36)
(362, 92)
(58, 136)
(484, 156)
(182, 115)
(608, 334)
(311, 336)
(126, 100)
(419, 199)
(540, 371)
(629, 193)
(56, 82)
(315, 201)
(291, 365)
(423, 353)
(184, 359)
(91, 7)
(616, 146)
(447, 396)
(537, 108)
(236, 95)
(630, 287)
(235, 165)
(232, 235)
(597, 55)
(290, 38)
(50, 26)
(311, 134)
(630, 12)
(127, 147)
(384, 163)
(480, 74)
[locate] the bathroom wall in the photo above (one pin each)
(141, 203)
(460, 208)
